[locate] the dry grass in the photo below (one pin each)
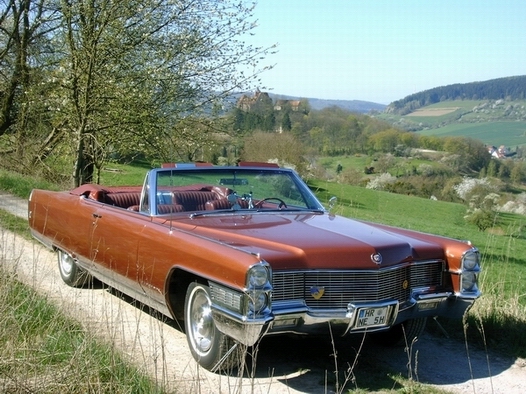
(45, 351)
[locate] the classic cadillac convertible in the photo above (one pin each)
(242, 252)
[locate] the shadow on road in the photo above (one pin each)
(431, 360)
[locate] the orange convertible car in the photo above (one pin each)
(242, 252)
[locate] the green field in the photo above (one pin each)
(510, 134)
(492, 124)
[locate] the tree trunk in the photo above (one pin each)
(84, 164)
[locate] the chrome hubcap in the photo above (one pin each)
(201, 321)
(66, 263)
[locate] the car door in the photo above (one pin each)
(114, 244)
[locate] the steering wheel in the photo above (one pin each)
(281, 204)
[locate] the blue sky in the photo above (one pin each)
(384, 50)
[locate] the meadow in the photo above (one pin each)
(510, 134)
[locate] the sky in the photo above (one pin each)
(385, 50)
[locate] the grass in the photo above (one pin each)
(43, 351)
(414, 213)
(116, 174)
(510, 134)
(15, 224)
(22, 186)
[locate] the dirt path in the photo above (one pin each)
(284, 365)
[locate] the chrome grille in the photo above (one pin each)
(342, 287)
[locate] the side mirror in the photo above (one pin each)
(332, 202)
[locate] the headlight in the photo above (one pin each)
(469, 281)
(470, 260)
(258, 290)
(257, 301)
(470, 270)
(258, 276)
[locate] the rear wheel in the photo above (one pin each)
(70, 272)
(402, 334)
(212, 349)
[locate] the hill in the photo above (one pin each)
(509, 88)
(493, 111)
(494, 122)
(349, 105)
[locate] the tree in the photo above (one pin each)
(284, 147)
(472, 155)
(120, 77)
(286, 124)
(25, 30)
(386, 141)
(517, 173)
(136, 69)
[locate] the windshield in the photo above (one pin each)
(213, 189)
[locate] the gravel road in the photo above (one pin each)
(284, 365)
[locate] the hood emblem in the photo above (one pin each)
(376, 258)
(317, 292)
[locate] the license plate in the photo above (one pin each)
(368, 317)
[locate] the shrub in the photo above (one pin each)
(482, 218)
(472, 186)
(381, 181)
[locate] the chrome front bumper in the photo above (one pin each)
(295, 317)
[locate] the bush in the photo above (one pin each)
(380, 182)
(471, 187)
(482, 218)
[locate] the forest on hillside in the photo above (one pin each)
(510, 88)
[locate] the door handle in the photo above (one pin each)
(96, 215)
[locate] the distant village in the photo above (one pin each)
(501, 152)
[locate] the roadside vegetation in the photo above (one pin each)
(45, 351)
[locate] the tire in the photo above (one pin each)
(207, 344)
(70, 272)
(402, 334)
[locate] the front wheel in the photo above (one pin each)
(70, 272)
(401, 334)
(210, 347)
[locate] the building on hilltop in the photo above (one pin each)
(259, 99)
(262, 99)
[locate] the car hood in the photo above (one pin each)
(295, 241)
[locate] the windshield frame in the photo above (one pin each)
(226, 178)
